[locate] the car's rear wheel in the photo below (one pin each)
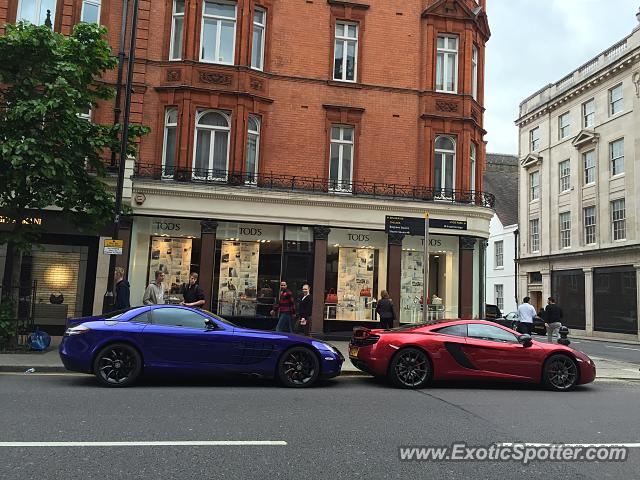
(117, 365)
(298, 367)
(560, 373)
(410, 368)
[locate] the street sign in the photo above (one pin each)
(415, 226)
(113, 247)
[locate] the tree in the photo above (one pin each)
(49, 155)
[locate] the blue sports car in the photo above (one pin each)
(118, 348)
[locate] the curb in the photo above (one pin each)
(38, 369)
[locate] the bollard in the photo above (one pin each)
(563, 340)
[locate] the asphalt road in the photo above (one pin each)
(624, 352)
(348, 428)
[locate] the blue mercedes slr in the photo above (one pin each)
(118, 348)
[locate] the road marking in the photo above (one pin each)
(624, 348)
(189, 443)
(585, 445)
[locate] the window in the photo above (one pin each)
(474, 72)
(489, 332)
(90, 11)
(499, 253)
(534, 186)
(218, 32)
(499, 296)
(257, 45)
(178, 317)
(565, 175)
(444, 166)
(589, 161)
(534, 138)
(142, 318)
(563, 125)
(565, 229)
(588, 113)
(534, 234)
(535, 277)
(177, 24)
(455, 330)
(341, 161)
(447, 64)
(35, 11)
(615, 99)
(253, 149)
(616, 155)
(212, 145)
(618, 219)
(345, 52)
(169, 146)
(590, 225)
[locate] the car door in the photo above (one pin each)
(178, 336)
(497, 352)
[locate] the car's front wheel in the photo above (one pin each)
(298, 367)
(117, 365)
(410, 368)
(560, 373)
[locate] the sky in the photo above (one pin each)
(537, 42)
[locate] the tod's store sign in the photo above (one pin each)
(248, 231)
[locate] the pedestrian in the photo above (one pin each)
(192, 294)
(154, 294)
(384, 309)
(285, 308)
(552, 318)
(526, 312)
(305, 308)
(122, 289)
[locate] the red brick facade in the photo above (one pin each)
(392, 104)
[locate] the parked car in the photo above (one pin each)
(512, 320)
(413, 356)
(171, 338)
(492, 312)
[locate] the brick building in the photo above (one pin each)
(283, 134)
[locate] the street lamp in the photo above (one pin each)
(108, 300)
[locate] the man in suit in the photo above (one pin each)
(304, 310)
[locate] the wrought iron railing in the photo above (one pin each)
(274, 181)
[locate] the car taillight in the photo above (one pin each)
(363, 336)
(77, 330)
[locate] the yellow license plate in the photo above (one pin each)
(353, 352)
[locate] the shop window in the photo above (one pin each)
(218, 32)
(90, 11)
(447, 64)
(37, 11)
(615, 300)
(211, 159)
(444, 167)
(345, 52)
(177, 257)
(341, 158)
(177, 26)
(169, 145)
(258, 39)
(253, 149)
(568, 290)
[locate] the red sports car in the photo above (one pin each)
(412, 356)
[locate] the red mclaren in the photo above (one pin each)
(413, 356)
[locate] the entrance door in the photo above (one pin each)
(536, 299)
(298, 270)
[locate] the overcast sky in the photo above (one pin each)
(537, 42)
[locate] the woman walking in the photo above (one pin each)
(384, 309)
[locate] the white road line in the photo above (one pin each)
(194, 443)
(585, 445)
(624, 348)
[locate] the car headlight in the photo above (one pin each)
(77, 330)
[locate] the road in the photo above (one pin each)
(348, 428)
(624, 352)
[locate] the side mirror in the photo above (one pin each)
(209, 324)
(525, 340)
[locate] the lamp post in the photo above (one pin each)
(108, 300)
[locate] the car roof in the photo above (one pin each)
(445, 323)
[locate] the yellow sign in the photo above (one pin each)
(426, 214)
(113, 247)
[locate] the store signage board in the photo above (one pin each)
(415, 225)
(113, 247)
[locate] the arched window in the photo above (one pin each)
(169, 145)
(253, 149)
(211, 160)
(444, 166)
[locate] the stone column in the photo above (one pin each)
(465, 277)
(637, 267)
(124, 234)
(208, 229)
(320, 237)
(588, 301)
(482, 273)
(546, 286)
(394, 272)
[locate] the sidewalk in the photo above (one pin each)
(49, 361)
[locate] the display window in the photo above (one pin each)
(356, 272)
(442, 301)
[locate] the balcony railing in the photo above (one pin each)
(293, 183)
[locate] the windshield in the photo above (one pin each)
(211, 314)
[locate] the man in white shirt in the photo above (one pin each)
(526, 312)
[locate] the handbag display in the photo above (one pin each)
(332, 297)
(365, 292)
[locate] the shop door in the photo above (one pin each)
(298, 270)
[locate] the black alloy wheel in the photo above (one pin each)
(299, 367)
(410, 368)
(560, 373)
(117, 365)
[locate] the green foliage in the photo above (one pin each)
(8, 323)
(49, 156)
